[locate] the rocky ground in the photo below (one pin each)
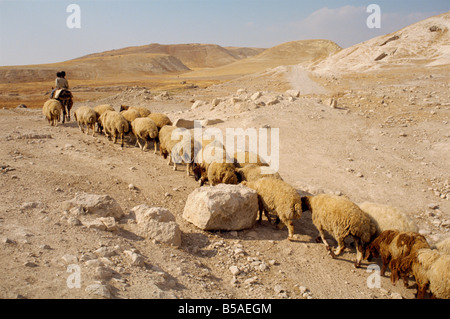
(384, 138)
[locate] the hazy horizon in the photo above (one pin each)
(36, 32)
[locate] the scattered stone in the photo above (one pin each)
(32, 205)
(222, 207)
(278, 289)
(256, 96)
(292, 93)
(69, 259)
(102, 205)
(234, 270)
(188, 124)
(73, 221)
(98, 289)
(273, 101)
(7, 240)
(331, 103)
(135, 258)
(157, 223)
(197, 104)
(30, 264)
(210, 122)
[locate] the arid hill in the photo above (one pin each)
(290, 53)
(193, 55)
(425, 43)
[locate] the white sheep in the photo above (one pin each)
(278, 197)
(444, 246)
(52, 111)
(184, 152)
(387, 217)
(341, 218)
(144, 128)
(86, 117)
(115, 125)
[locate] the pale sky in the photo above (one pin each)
(36, 31)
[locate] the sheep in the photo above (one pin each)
(130, 115)
(392, 246)
(431, 269)
(100, 109)
(184, 152)
(85, 116)
(52, 111)
(115, 125)
(252, 172)
(444, 246)
(242, 159)
(144, 128)
(143, 112)
(215, 166)
(387, 217)
(340, 217)
(222, 173)
(277, 196)
(176, 147)
(160, 119)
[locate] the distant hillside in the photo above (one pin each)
(92, 68)
(192, 55)
(290, 53)
(425, 43)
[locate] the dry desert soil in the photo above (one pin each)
(387, 141)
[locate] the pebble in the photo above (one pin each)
(98, 289)
(234, 270)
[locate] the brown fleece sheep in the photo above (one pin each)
(52, 111)
(115, 125)
(252, 172)
(242, 159)
(86, 117)
(100, 109)
(142, 111)
(387, 217)
(160, 119)
(431, 269)
(341, 218)
(392, 246)
(145, 129)
(277, 196)
(222, 173)
(213, 151)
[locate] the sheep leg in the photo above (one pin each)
(340, 247)
(188, 169)
(138, 142)
(359, 252)
(290, 226)
(322, 237)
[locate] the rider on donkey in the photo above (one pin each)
(61, 92)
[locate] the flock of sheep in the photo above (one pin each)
(377, 230)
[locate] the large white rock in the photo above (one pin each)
(101, 205)
(157, 223)
(222, 207)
